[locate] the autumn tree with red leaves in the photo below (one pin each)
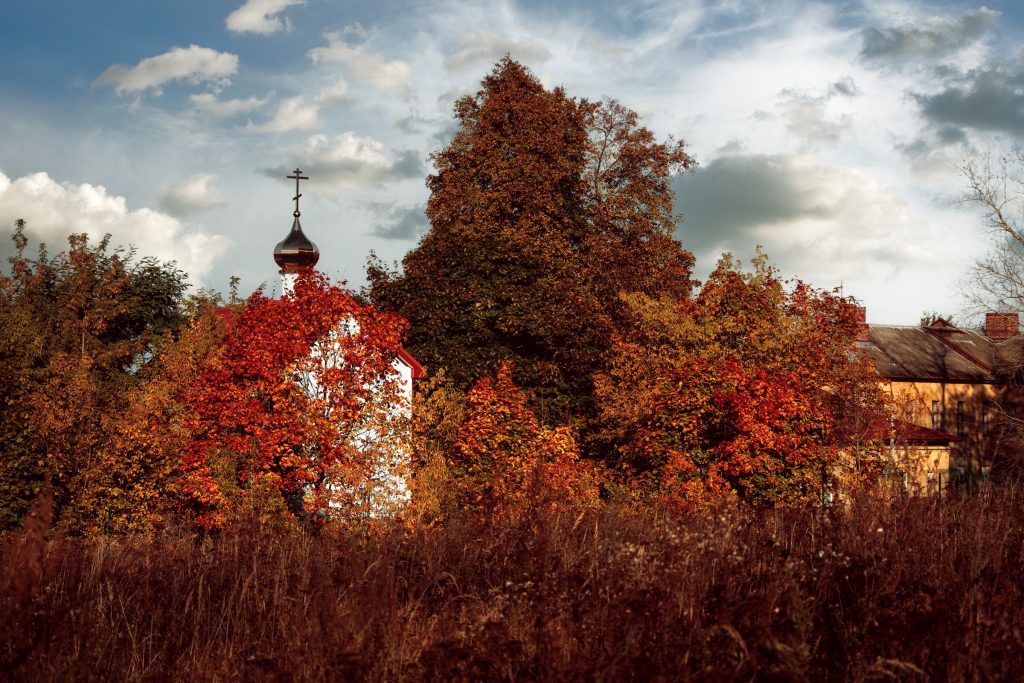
(300, 413)
(741, 391)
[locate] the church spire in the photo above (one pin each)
(295, 253)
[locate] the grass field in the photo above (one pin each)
(909, 590)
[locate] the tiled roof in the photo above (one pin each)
(941, 353)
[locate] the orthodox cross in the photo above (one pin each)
(298, 176)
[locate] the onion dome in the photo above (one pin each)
(296, 252)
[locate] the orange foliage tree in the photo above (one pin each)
(80, 334)
(300, 412)
(630, 243)
(741, 391)
(503, 457)
(542, 209)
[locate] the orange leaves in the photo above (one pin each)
(734, 391)
(302, 399)
(503, 456)
(80, 337)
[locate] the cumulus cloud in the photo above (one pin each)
(259, 16)
(932, 141)
(807, 118)
(989, 98)
(807, 214)
(487, 47)
(292, 114)
(398, 223)
(195, 193)
(208, 103)
(333, 93)
(193, 63)
(54, 210)
(933, 152)
(348, 160)
(935, 37)
(362, 66)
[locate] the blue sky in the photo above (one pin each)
(828, 132)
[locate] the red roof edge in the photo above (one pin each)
(908, 432)
(418, 371)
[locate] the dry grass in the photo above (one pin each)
(912, 590)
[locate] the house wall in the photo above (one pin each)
(969, 411)
(926, 466)
(903, 468)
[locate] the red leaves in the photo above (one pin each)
(302, 400)
(543, 209)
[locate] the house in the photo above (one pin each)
(956, 390)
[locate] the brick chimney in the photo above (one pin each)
(1001, 325)
(862, 327)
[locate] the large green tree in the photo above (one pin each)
(543, 210)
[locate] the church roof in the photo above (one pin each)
(296, 251)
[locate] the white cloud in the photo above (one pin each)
(333, 93)
(207, 103)
(487, 47)
(807, 119)
(54, 210)
(362, 66)
(348, 160)
(292, 114)
(193, 63)
(195, 193)
(607, 48)
(355, 30)
(259, 16)
(820, 220)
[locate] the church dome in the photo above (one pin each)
(296, 252)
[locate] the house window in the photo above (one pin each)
(959, 418)
(936, 415)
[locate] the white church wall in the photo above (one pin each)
(386, 436)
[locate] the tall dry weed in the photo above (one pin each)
(903, 590)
